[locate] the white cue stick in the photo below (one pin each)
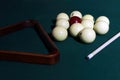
(103, 46)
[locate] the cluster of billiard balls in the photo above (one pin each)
(83, 27)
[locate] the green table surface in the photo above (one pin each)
(72, 64)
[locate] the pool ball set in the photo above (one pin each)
(84, 27)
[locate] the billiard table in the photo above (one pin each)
(70, 61)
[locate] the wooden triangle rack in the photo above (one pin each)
(50, 58)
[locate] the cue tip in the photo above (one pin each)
(89, 56)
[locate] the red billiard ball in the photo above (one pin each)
(74, 19)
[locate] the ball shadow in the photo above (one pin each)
(53, 24)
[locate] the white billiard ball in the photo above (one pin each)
(87, 35)
(63, 23)
(89, 17)
(62, 15)
(103, 18)
(101, 27)
(76, 13)
(59, 33)
(87, 23)
(75, 29)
